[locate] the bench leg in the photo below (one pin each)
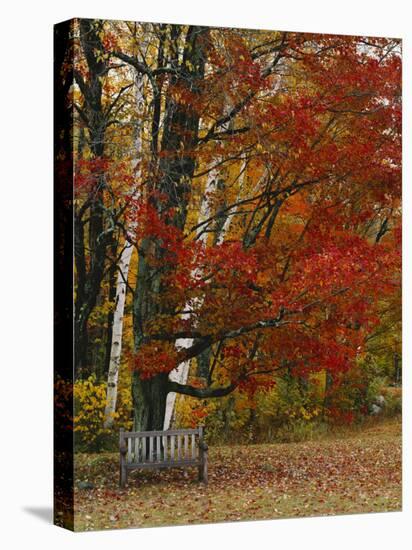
(123, 451)
(123, 479)
(203, 469)
(205, 478)
(123, 474)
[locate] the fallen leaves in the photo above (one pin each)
(356, 474)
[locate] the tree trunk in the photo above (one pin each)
(327, 394)
(180, 131)
(112, 276)
(149, 401)
(89, 278)
(124, 264)
(117, 333)
(181, 373)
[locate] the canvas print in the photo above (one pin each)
(227, 274)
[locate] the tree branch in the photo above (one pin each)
(202, 393)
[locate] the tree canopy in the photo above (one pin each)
(257, 175)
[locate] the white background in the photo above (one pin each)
(26, 272)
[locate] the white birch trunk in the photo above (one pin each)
(181, 373)
(117, 335)
(121, 288)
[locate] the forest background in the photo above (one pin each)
(257, 176)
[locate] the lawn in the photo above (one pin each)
(355, 472)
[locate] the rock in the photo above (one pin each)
(375, 409)
(380, 400)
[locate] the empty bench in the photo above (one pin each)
(162, 449)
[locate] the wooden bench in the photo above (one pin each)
(162, 449)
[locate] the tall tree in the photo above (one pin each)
(94, 223)
(293, 284)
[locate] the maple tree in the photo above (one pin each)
(289, 144)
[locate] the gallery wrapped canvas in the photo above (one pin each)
(227, 274)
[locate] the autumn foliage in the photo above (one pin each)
(263, 200)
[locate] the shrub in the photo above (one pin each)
(393, 401)
(221, 417)
(240, 417)
(89, 406)
(302, 430)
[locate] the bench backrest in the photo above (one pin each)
(159, 447)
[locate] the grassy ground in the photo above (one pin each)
(356, 473)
